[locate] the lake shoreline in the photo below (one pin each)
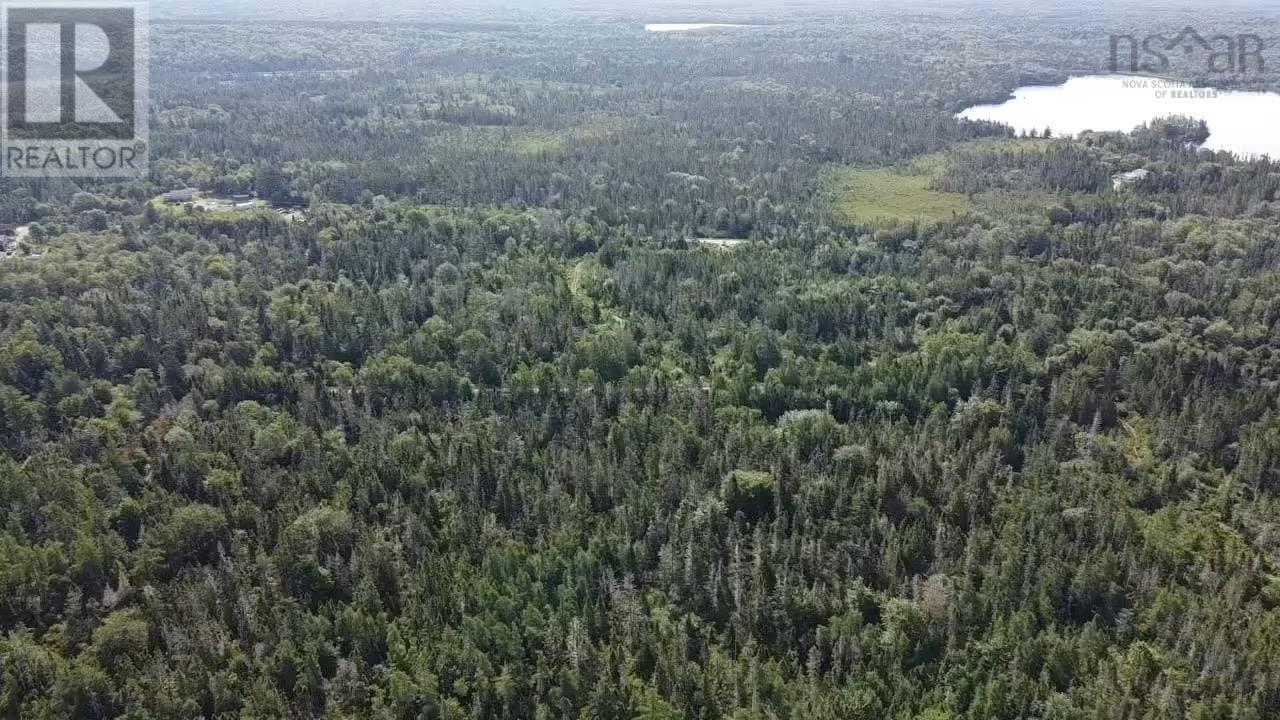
(1121, 102)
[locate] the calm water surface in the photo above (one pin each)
(1242, 122)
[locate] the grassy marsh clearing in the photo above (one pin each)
(894, 194)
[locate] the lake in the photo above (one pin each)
(1240, 122)
(681, 27)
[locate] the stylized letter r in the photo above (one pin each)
(56, 91)
(71, 70)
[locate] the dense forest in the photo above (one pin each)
(568, 370)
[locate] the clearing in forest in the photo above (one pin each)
(894, 194)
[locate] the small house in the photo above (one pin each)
(1123, 180)
(179, 196)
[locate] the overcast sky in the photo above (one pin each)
(648, 10)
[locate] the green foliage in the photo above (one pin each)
(748, 492)
(494, 430)
(123, 636)
(893, 194)
(191, 535)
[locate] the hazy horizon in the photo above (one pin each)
(534, 10)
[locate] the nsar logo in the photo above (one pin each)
(1222, 53)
